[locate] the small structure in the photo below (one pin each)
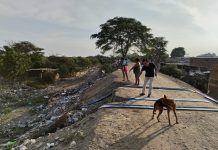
(38, 72)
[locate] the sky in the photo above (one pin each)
(63, 27)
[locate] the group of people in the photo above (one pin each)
(138, 68)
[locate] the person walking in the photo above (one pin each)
(136, 70)
(124, 68)
(150, 71)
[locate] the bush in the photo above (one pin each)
(6, 110)
(108, 68)
(48, 77)
(36, 84)
(198, 81)
(171, 70)
(64, 71)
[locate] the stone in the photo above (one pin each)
(72, 144)
(84, 109)
(80, 133)
(73, 131)
(22, 147)
(46, 97)
(26, 142)
(50, 145)
(62, 139)
(39, 145)
(32, 141)
(57, 138)
(75, 119)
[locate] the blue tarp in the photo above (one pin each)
(161, 88)
(94, 101)
(130, 106)
(176, 99)
(178, 89)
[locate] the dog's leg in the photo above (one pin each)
(154, 110)
(160, 112)
(174, 110)
(168, 114)
(153, 116)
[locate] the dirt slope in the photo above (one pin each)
(125, 129)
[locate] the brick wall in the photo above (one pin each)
(213, 81)
(203, 62)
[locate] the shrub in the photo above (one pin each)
(198, 81)
(108, 68)
(171, 70)
(36, 84)
(48, 77)
(64, 71)
(7, 110)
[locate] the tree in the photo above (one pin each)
(178, 52)
(17, 58)
(27, 48)
(120, 34)
(157, 50)
(13, 64)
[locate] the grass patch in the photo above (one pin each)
(36, 84)
(6, 110)
(31, 102)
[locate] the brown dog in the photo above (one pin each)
(169, 104)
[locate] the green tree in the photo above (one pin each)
(171, 70)
(35, 53)
(66, 65)
(133, 56)
(120, 34)
(178, 52)
(17, 58)
(13, 64)
(157, 50)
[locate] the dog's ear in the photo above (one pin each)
(165, 96)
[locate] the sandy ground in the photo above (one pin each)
(128, 129)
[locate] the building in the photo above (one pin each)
(213, 81)
(204, 62)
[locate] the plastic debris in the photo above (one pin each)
(50, 145)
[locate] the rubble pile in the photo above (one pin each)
(63, 108)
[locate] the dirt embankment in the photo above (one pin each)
(125, 129)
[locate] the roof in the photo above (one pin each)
(43, 69)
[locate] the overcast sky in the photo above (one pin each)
(64, 27)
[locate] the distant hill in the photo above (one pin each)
(208, 55)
